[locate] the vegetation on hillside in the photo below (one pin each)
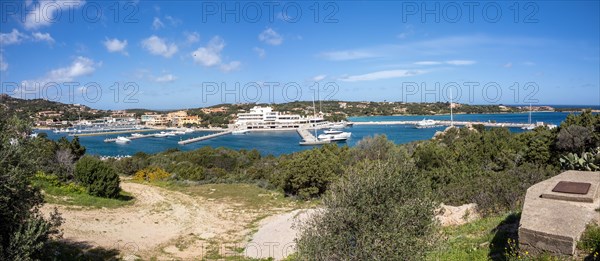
(377, 197)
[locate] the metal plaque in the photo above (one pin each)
(572, 187)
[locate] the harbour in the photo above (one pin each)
(284, 141)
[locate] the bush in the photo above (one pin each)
(23, 230)
(151, 173)
(99, 178)
(590, 240)
(307, 174)
(377, 211)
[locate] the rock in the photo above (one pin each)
(554, 223)
(453, 216)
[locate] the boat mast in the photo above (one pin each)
(530, 113)
(314, 117)
(451, 115)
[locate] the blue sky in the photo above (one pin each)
(181, 54)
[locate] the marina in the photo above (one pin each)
(399, 129)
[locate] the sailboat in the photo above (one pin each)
(530, 126)
(315, 141)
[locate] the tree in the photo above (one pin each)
(574, 138)
(377, 211)
(99, 178)
(307, 174)
(23, 230)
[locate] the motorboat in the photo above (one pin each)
(338, 125)
(172, 133)
(314, 142)
(136, 135)
(332, 131)
(161, 134)
(341, 136)
(122, 140)
(425, 123)
(529, 127)
(179, 132)
(239, 132)
(189, 130)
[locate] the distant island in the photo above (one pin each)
(45, 113)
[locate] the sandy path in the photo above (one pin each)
(151, 225)
(276, 234)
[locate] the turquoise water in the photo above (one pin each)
(283, 142)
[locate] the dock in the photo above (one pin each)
(448, 123)
(110, 132)
(205, 137)
(306, 135)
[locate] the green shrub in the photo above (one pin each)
(151, 173)
(590, 240)
(376, 211)
(307, 174)
(23, 230)
(99, 178)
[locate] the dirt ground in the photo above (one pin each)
(164, 224)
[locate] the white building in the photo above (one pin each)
(265, 118)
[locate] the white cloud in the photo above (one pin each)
(157, 24)
(319, 78)
(192, 37)
(451, 62)
(388, 74)
(173, 21)
(166, 78)
(14, 37)
(428, 63)
(45, 13)
(115, 45)
(232, 66)
(460, 62)
(269, 36)
(507, 65)
(260, 51)
(3, 64)
(37, 36)
(158, 46)
(210, 55)
(347, 55)
(81, 66)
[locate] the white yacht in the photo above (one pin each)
(122, 140)
(161, 134)
(135, 135)
(333, 135)
(426, 123)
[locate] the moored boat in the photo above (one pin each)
(122, 140)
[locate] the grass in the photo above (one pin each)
(245, 196)
(589, 244)
(490, 238)
(71, 194)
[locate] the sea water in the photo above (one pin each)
(284, 142)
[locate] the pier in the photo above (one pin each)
(306, 135)
(448, 123)
(110, 132)
(205, 137)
